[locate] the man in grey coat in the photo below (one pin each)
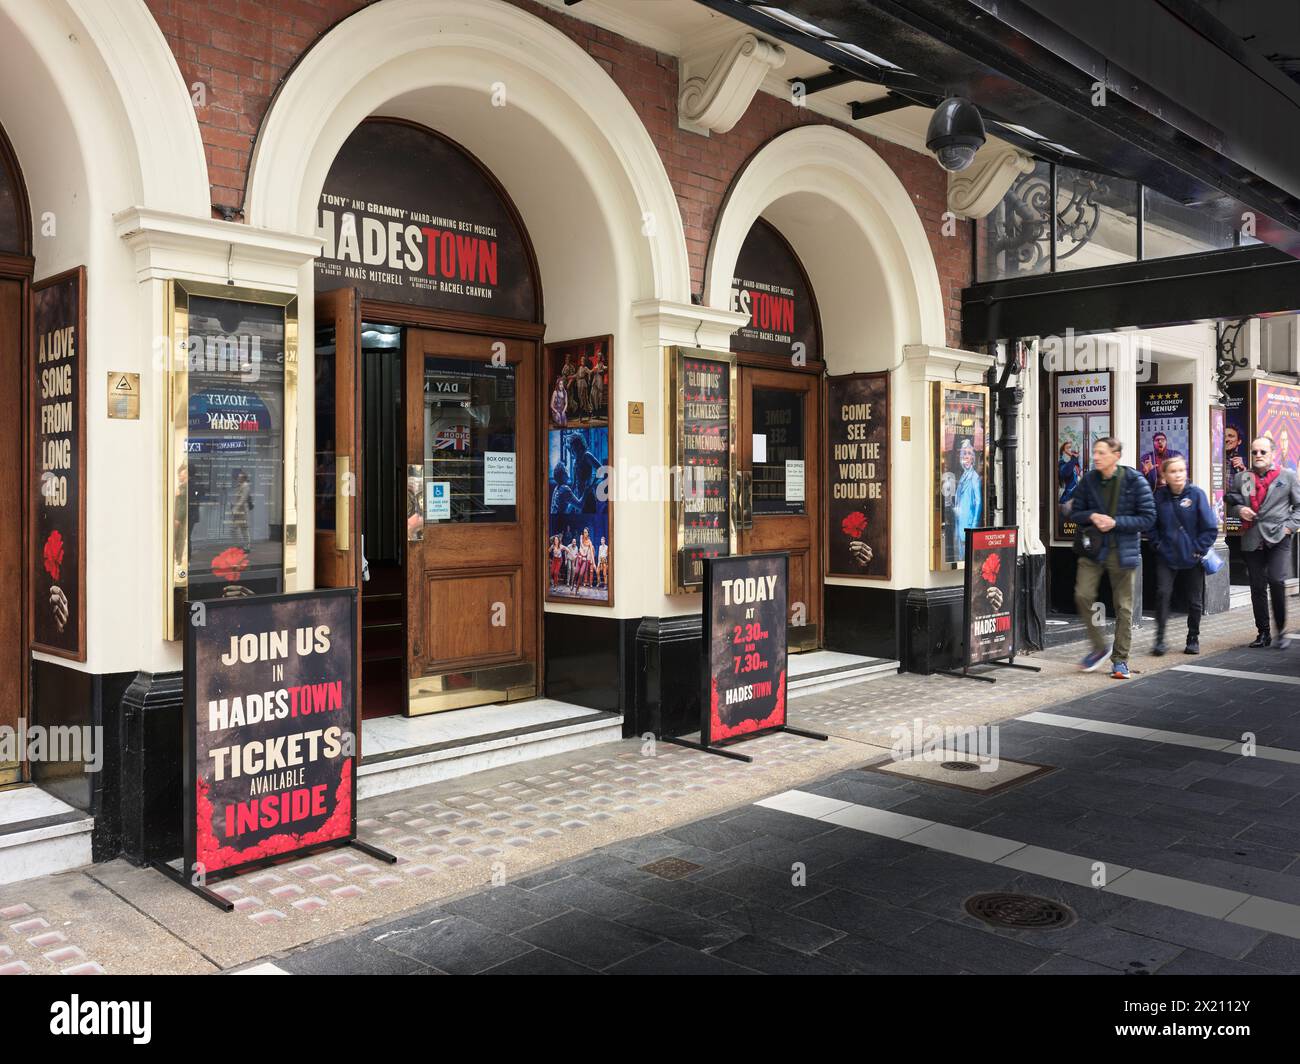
(1267, 499)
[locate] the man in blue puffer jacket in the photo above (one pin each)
(1116, 501)
(1186, 529)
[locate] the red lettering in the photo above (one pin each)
(487, 262)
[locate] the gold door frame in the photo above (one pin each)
(176, 430)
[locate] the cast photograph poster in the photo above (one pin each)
(858, 467)
(961, 415)
(579, 543)
(991, 595)
(57, 562)
(1081, 416)
(578, 546)
(1236, 440)
(1277, 416)
(270, 741)
(1164, 428)
(745, 610)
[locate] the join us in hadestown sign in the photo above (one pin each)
(57, 594)
(270, 742)
(857, 509)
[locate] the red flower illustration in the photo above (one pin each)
(52, 555)
(230, 563)
(854, 525)
(989, 570)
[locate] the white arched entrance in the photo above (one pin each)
(858, 234)
(101, 121)
(560, 137)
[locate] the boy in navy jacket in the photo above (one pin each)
(1185, 531)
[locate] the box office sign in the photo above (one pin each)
(745, 613)
(407, 216)
(58, 508)
(990, 595)
(271, 725)
(857, 508)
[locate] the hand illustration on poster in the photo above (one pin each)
(858, 466)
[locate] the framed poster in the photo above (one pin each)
(990, 590)
(1081, 413)
(1164, 428)
(1236, 441)
(858, 476)
(1218, 471)
(270, 743)
(1277, 416)
(745, 616)
(232, 514)
(959, 448)
(701, 404)
(579, 563)
(57, 535)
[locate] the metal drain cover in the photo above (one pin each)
(671, 868)
(960, 766)
(1022, 912)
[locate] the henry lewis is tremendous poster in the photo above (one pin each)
(58, 580)
(270, 742)
(745, 609)
(1236, 441)
(990, 594)
(857, 509)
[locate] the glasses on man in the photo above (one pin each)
(1261, 450)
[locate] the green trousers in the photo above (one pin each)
(1086, 601)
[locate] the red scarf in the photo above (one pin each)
(1261, 490)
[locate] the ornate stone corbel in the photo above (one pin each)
(975, 191)
(714, 101)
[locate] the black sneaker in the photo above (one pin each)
(1160, 649)
(1262, 640)
(1193, 647)
(1283, 640)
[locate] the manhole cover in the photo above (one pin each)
(1023, 912)
(960, 766)
(671, 868)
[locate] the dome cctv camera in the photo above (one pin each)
(955, 133)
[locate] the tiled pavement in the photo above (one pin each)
(507, 825)
(765, 890)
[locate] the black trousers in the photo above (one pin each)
(1192, 582)
(1267, 567)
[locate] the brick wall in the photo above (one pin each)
(240, 50)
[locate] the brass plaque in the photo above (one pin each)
(907, 428)
(636, 419)
(123, 395)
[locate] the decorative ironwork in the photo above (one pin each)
(1022, 231)
(1227, 361)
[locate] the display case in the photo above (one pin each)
(703, 494)
(231, 445)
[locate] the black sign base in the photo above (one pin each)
(182, 877)
(721, 752)
(966, 674)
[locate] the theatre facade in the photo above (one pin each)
(509, 315)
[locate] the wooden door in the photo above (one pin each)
(472, 574)
(780, 429)
(13, 657)
(338, 448)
